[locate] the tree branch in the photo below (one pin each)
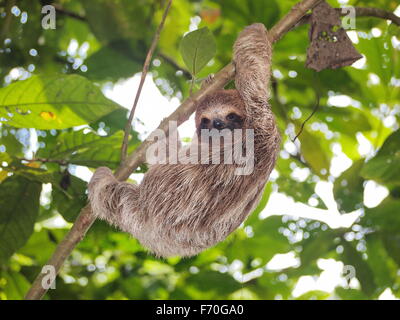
(146, 65)
(65, 12)
(86, 219)
(44, 160)
(360, 12)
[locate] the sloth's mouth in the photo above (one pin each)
(215, 132)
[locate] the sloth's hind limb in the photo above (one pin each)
(112, 200)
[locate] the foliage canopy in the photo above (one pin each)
(51, 103)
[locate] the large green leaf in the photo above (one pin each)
(384, 217)
(364, 274)
(300, 191)
(213, 281)
(264, 244)
(19, 203)
(11, 143)
(348, 188)
(245, 12)
(41, 245)
(197, 49)
(383, 267)
(254, 216)
(314, 152)
(87, 148)
(123, 19)
(70, 199)
(317, 246)
(53, 102)
(109, 63)
(348, 120)
(385, 166)
(16, 285)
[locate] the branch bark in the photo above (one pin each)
(65, 12)
(360, 12)
(86, 219)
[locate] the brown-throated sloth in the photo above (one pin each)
(182, 209)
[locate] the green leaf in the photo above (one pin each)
(391, 242)
(254, 216)
(19, 203)
(124, 19)
(380, 262)
(87, 148)
(40, 246)
(111, 123)
(198, 48)
(317, 246)
(385, 166)
(13, 146)
(70, 201)
(220, 283)
(348, 188)
(314, 295)
(384, 217)
(350, 294)
(16, 285)
(364, 273)
(314, 153)
(264, 244)
(53, 102)
(109, 64)
(349, 120)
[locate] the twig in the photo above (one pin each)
(360, 12)
(85, 218)
(68, 13)
(146, 65)
(377, 13)
(60, 162)
(308, 118)
(316, 106)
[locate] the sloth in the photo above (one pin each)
(183, 209)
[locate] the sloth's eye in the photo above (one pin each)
(205, 121)
(231, 117)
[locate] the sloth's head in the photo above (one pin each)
(220, 110)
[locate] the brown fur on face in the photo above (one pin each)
(183, 209)
(223, 109)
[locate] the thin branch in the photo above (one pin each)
(316, 106)
(86, 218)
(309, 117)
(377, 13)
(43, 160)
(360, 12)
(124, 148)
(68, 13)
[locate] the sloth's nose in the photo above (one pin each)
(218, 124)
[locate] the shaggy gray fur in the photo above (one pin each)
(182, 209)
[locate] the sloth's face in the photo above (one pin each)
(221, 118)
